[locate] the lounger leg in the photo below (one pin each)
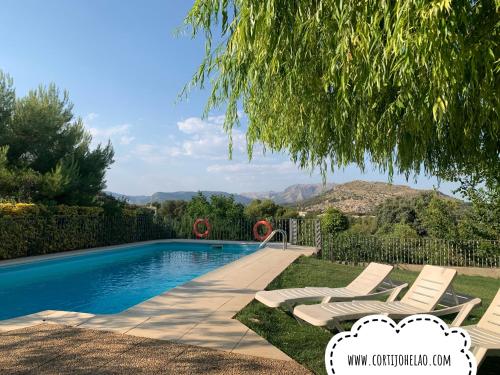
(479, 353)
(300, 321)
(335, 325)
(288, 307)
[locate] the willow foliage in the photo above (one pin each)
(411, 83)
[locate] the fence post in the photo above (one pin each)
(292, 231)
(317, 237)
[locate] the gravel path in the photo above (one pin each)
(56, 349)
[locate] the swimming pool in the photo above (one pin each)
(109, 281)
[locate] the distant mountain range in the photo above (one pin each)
(292, 194)
(356, 197)
(176, 195)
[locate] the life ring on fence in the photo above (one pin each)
(195, 228)
(268, 226)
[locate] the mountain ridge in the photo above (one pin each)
(175, 195)
(355, 197)
(291, 194)
(360, 197)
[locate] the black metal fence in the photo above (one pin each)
(223, 230)
(361, 249)
(303, 232)
(25, 236)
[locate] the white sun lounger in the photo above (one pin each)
(485, 335)
(370, 283)
(425, 294)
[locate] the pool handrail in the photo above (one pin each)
(273, 233)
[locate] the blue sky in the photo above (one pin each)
(124, 67)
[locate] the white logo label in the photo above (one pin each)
(377, 345)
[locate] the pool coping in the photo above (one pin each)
(199, 312)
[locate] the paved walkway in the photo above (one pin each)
(197, 313)
(53, 349)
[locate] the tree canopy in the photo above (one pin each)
(45, 152)
(409, 84)
(266, 209)
(334, 221)
(436, 216)
(216, 207)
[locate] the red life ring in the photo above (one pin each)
(195, 228)
(256, 234)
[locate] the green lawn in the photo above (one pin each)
(306, 343)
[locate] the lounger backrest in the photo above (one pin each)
(491, 318)
(429, 287)
(371, 277)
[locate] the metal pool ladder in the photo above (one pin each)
(273, 233)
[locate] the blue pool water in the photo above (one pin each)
(108, 282)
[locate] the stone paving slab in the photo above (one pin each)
(202, 309)
(56, 350)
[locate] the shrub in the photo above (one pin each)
(19, 209)
(334, 221)
(29, 229)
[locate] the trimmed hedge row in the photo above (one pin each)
(31, 229)
(31, 209)
(36, 235)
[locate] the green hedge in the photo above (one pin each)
(31, 229)
(26, 236)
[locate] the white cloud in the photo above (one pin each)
(198, 139)
(155, 154)
(250, 168)
(119, 134)
(219, 120)
(144, 151)
(206, 139)
(192, 125)
(91, 116)
(88, 118)
(109, 132)
(126, 140)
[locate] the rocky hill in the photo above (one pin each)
(292, 194)
(357, 197)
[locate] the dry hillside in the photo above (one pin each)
(357, 197)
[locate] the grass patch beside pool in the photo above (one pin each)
(306, 343)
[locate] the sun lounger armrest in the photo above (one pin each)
(462, 311)
(392, 292)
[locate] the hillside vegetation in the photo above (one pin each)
(358, 197)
